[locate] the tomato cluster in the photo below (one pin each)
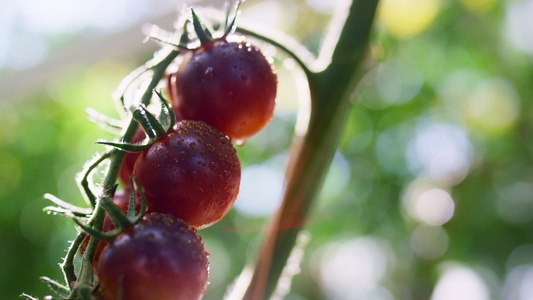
(223, 92)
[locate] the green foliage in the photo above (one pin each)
(438, 77)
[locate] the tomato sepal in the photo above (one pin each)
(132, 203)
(166, 112)
(103, 236)
(230, 28)
(63, 206)
(28, 297)
(56, 287)
(55, 210)
(90, 197)
(118, 218)
(126, 147)
(202, 32)
(153, 128)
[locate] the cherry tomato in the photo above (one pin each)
(230, 86)
(160, 257)
(126, 169)
(192, 173)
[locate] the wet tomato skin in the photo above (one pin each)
(229, 85)
(192, 173)
(160, 257)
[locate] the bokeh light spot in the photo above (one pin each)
(435, 207)
(478, 7)
(458, 282)
(352, 267)
(429, 242)
(492, 107)
(219, 261)
(266, 13)
(520, 24)
(390, 148)
(324, 6)
(407, 18)
(515, 203)
(390, 84)
(337, 178)
(441, 150)
(519, 284)
(260, 191)
(521, 255)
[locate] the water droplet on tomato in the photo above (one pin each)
(209, 73)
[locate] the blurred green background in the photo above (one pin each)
(430, 194)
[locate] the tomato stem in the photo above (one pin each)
(84, 182)
(68, 263)
(158, 65)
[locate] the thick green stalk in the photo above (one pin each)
(312, 153)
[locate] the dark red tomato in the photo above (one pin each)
(126, 169)
(121, 200)
(160, 257)
(192, 173)
(228, 85)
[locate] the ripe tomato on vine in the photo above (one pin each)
(160, 257)
(193, 173)
(229, 85)
(225, 82)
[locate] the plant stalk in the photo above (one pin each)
(116, 158)
(312, 153)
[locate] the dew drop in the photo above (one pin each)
(209, 73)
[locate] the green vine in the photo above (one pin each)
(312, 153)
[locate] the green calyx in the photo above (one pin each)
(155, 128)
(120, 220)
(205, 35)
(151, 126)
(229, 27)
(167, 118)
(202, 32)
